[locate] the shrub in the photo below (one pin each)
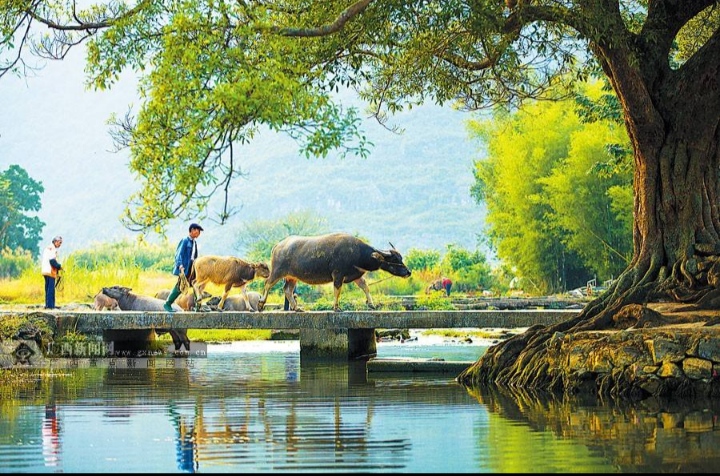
(435, 301)
(127, 254)
(14, 262)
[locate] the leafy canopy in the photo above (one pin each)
(215, 71)
(19, 198)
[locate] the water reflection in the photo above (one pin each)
(261, 411)
(51, 436)
(654, 435)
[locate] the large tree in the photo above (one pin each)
(19, 197)
(214, 70)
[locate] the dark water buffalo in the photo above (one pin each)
(335, 258)
(129, 301)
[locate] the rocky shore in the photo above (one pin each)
(660, 350)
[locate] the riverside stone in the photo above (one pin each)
(658, 362)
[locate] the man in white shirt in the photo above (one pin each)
(50, 268)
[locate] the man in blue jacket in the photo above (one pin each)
(185, 254)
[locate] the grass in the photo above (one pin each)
(227, 335)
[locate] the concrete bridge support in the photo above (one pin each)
(130, 340)
(337, 344)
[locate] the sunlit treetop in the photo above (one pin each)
(213, 71)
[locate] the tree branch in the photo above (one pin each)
(348, 14)
(81, 26)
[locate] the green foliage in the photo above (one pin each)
(14, 262)
(558, 222)
(78, 284)
(125, 254)
(20, 195)
(257, 238)
(70, 337)
(11, 324)
(214, 81)
(326, 304)
(215, 72)
(86, 281)
(468, 270)
(435, 301)
(696, 33)
(417, 260)
(381, 282)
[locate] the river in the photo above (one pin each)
(253, 407)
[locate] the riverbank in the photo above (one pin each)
(658, 350)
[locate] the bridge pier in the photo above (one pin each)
(130, 340)
(340, 344)
(315, 344)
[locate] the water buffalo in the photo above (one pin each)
(236, 302)
(102, 302)
(434, 286)
(336, 258)
(186, 300)
(227, 271)
(442, 284)
(129, 301)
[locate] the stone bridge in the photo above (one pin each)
(349, 335)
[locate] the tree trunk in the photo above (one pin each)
(676, 239)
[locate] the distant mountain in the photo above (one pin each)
(413, 190)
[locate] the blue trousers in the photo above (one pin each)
(49, 292)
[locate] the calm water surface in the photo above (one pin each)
(252, 407)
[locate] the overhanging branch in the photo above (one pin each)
(348, 14)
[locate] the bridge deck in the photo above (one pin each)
(97, 321)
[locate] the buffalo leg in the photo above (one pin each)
(289, 289)
(198, 289)
(337, 285)
(269, 283)
(228, 287)
(180, 339)
(362, 284)
(243, 293)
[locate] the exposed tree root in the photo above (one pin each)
(521, 362)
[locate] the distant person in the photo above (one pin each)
(185, 255)
(447, 285)
(50, 268)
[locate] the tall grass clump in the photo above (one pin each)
(128, 254)
(76, 284)
(85, 272)
(81, 283)
(14, 262)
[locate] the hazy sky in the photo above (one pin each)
(56, 129)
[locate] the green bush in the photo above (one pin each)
(435, 301)
(14, 262)
(126, 254)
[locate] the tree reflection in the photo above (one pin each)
(657, 435)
